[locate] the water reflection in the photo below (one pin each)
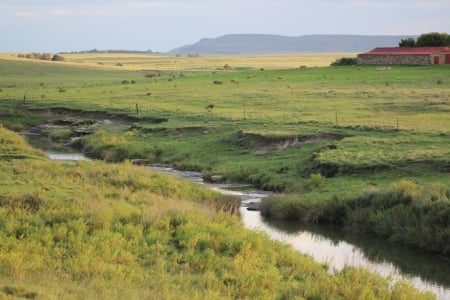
(432, 268)
(53, 149)
(67, 156)
(337, 248)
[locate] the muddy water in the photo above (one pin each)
(326, 244)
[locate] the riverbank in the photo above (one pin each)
(327, 244)
(408, 214)
(111, 231)
(411, 213)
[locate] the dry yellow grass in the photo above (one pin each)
(128, 61)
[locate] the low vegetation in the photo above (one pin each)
(345, 61)
(42, 56)
(113, 231)
(334, 141)
(407, 213)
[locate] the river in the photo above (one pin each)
(325, 243)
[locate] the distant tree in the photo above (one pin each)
(57, 57)
(433, 39)
(408, 42)
(45, 56)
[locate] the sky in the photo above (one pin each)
(161, 25)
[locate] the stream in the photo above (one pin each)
(325, 243)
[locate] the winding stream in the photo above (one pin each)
(337, 248)
(325, 243)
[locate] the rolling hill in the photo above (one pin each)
(266, 44)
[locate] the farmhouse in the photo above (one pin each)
(406, 56)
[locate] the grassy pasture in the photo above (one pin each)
(412, 98)
(275, 128)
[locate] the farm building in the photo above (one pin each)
(406, 56)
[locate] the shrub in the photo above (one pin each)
(345, 61)
(314, 181)
(57, 57)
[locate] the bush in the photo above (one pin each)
(345, 61)
(314, 181)
(57, 57)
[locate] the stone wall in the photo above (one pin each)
(378, 59)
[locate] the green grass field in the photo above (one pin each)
(270, 122)
(283, 125)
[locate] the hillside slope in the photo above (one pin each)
(266, 43)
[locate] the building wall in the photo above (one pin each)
(378, 59)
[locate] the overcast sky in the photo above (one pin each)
(73, 25)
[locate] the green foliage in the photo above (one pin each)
(409, 214)
(408, 42)
(433, 39)
(314, 181)
(60, 134)
(345, 61)
(14, 147)
(388, 151)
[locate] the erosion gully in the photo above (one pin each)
(325, 243)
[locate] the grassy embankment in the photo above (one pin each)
(278, 129)
(92, 230)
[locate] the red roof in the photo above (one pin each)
(409, 50)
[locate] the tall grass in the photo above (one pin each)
(408, 214)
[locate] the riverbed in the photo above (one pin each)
(325, 243)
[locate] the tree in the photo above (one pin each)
(408, 42)
(57, 57)
(433, 39)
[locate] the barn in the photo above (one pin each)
(406, 56)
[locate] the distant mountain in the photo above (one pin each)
(267, 43)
